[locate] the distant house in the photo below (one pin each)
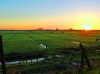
(57, 29)
(40, 28)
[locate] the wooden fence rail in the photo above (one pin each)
(53, 59)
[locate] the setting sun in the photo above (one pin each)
(86, 27)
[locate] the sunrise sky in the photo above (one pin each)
(49, 14)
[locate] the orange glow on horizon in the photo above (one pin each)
(73, 21)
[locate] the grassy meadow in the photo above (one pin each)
(28, 43)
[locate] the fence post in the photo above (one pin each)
(2, 58)
(84, 56)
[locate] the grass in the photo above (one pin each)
(27, 42)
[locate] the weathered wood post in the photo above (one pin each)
(84, 56)
(2, 58)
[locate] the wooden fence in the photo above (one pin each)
(67, 59)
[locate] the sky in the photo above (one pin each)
(49, 14)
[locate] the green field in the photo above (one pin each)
(24, 41)
(28, 42)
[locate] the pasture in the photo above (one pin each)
(26, 41)
(32, 43)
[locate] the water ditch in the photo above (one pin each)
(15, 56)
(33, 59)
(25, 61)
(28, 60)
